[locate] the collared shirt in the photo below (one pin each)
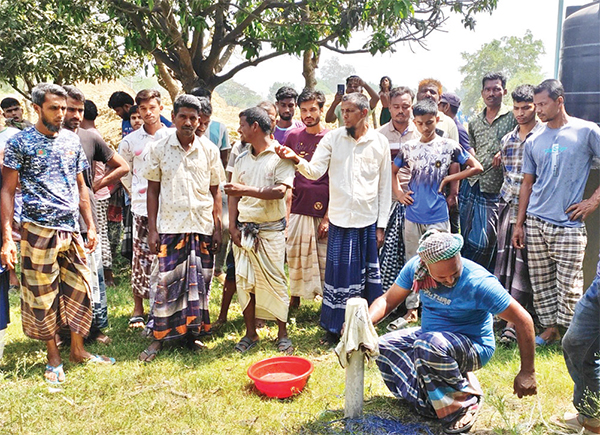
(48, 168)
(185, 203)
(134, 149)
(512, 148)
(448, 126)
(360, 185)
(485, 139)
(264, 170)
(217, 133)
(397, 138)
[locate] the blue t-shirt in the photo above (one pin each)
(48, 169)
(560, 159)
(429, 163)
(467, 308)
(126, 127)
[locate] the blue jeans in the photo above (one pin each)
(581, 347)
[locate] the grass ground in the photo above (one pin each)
(209, 392)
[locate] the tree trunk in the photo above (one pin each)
(309, 65)
(166, 80)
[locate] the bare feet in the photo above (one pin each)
(294, 302)
(218, 324)
(412, 315)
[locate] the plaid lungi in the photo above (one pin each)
(555, 260)
(430, 370)
(306, 256)
(352, 270)
(141, 262)
(55, 287)
(511, 263)
(102, 210)
(478, 221)
(180, 304)
(98, 287)
(391, 256)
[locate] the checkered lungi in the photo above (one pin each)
(430, 370)
(555, 260)
(55, 287)
(141, 262)
(391, 255)
(101, 211)
(478, 221)
(511, 263)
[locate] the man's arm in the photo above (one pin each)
(451, 199)
(525, 383)
(330, 115)
(117, 168)
(583, 209)
(386, 303)
(518, 238)
(85, 209)
(127, 154)
(276, 191)
(474, 168)
(217, 236)
(10, 179)
(384, 194)
(318, 165)
(152, 206)
(374, 95)
(234, 232)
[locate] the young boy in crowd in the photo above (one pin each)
(429, 160)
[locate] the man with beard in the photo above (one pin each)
(556, 165)
(95, 150)
(134, 148)
(184, 225)
(479, 195)
(431, 366)
(308, 223)
(360, 193)
(55, 292)
(285, 101)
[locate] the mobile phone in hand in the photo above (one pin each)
(341, 89)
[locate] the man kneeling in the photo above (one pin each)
(431, 366)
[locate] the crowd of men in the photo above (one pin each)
(421, 217)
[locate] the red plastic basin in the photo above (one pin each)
(281, 376)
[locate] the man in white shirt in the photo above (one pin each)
(134, 149)
(360, 192)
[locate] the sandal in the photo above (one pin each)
(399, 323)
(508, 337)
(285, 345)
(148, 355)
(101, 359)
(196, 345)
(473, 410)
(137, 322)
(245, 344)
(54, 375)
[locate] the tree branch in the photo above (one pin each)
(220, 79)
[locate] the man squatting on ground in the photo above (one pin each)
(55, 291)
(431, 366)
(184, 225)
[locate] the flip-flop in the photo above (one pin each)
(508, 337)
(97, 359)
(285, 345)
(58, 372)
(135, 321)
(245, 344)
(576, 422)
(539, 341)
(475, 409)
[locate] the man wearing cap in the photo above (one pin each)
(448, 105)
(431, 366)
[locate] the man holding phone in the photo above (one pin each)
(353, 84)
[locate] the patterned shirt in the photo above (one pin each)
(48, 168)
(512, 148)
(185, 203)
(485, 139)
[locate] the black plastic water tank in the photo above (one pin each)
(580, 61)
